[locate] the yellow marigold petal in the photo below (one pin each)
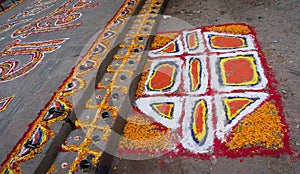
(263, 127)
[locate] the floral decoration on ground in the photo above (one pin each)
(210, 107)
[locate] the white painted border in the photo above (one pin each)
(215, 75)
(158, 53)
(177, 79)
(222, 128)
(201, 46)
(144, 105)
(204, 75)
(187, 139)
(249, 40)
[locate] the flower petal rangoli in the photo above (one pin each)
(208, 86)
(5, 101)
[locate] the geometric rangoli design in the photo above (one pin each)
(209, 87)
(206, 85)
